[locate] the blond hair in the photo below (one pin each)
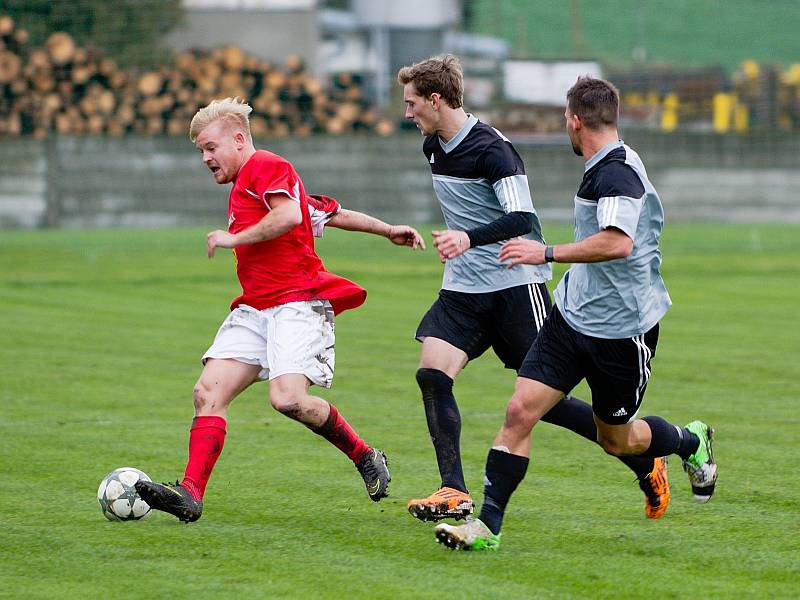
(233, 111)
(437, 75)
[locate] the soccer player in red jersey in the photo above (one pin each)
(281, 327)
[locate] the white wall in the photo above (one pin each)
(407, 14)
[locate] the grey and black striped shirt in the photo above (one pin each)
(478, 176)
(625, 297)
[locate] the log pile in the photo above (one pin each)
(68, 89)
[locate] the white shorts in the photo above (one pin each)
(291, 338)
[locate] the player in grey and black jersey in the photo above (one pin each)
(604, 327)
(480, 182)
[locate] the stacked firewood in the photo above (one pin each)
(68, 89)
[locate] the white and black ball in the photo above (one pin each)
(118, 498)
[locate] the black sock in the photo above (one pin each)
(576, 415)
(689, 442)
(669, 439)
(444, 425)
(504, 471)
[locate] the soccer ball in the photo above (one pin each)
(118, 498)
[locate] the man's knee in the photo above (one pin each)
(615, 445)
(287, 401)
(519, 414)
(207, 398)
(611, 446)
(433, 380)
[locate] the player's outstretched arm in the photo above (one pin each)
(283, 216)
(608, 244)
(402, 235)
(451, 244)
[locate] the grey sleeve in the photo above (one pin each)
(514, 194)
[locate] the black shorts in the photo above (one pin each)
(506, 321)
(617, 370)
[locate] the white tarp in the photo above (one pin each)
(251, 4)
(541, 82)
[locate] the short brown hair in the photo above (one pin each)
(437, 75)
(595, 101)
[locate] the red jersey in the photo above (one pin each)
(284, 269)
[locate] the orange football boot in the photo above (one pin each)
(656, 489)
(445, 503)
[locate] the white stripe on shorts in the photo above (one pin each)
(537, 303)
(644, 370)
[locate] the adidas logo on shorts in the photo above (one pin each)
(620, 413)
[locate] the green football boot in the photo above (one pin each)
(472, 535)
(700, 466)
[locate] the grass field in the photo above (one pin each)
(100, 343)
(676, 33)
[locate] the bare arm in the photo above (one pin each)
(402, 235)
(285, 215)
(608, 244)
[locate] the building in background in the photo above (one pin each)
(372, 39)
(367, 39)
(268, 29)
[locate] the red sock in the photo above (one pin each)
(339, 433)
(206, 439)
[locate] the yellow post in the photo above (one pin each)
(741, 118)
(669, 112)
(721, 112)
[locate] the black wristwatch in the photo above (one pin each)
(548, 254)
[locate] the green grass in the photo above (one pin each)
(100, 343)
(676, 33)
